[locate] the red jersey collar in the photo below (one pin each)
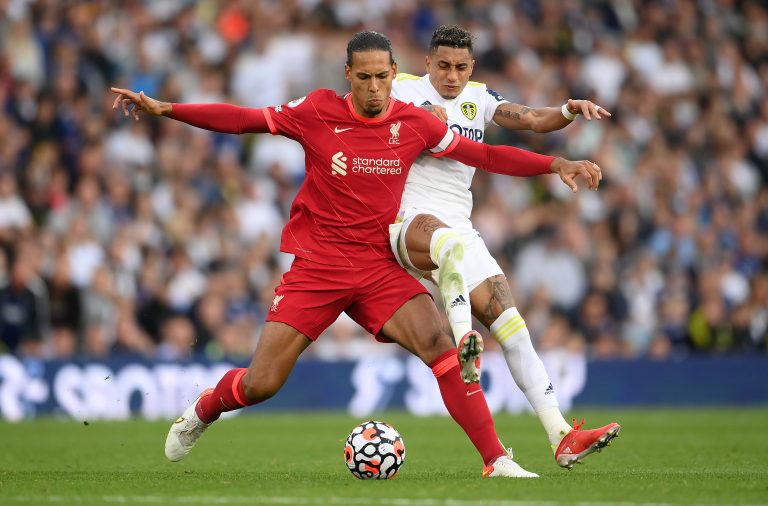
(379, 119)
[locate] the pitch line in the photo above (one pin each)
(284, 500)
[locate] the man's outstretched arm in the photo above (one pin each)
(223, 118)
(513, 161)
(546, 119)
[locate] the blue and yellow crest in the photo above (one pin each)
(469, 110)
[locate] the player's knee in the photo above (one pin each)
(260, 387)
(457, 247)
(447, 245)
(448, 278)
(434, 344)
(490, 316)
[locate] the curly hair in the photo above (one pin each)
(451, 36)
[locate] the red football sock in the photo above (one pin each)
(469, 409)
(227, 396)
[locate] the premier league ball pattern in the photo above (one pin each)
(374, 451)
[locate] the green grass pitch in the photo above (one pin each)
(662, 457)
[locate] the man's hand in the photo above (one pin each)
(587, 108)
(568, 170)
(140, 102)
(437, 110)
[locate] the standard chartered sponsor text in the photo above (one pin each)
(381, 166)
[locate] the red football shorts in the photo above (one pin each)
(311, 295)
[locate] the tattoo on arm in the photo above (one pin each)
(428, 107)
(512, 111)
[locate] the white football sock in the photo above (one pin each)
(528, 372)
(447, 251)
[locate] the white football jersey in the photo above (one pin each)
(441, 184)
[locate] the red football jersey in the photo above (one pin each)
(356, 170)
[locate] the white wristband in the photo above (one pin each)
(568, 114)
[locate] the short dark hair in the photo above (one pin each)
(368, 41)
(451, 36)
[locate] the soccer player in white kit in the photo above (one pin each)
(434, 237)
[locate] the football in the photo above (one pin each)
(374, 451)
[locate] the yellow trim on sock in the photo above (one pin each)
(513, 321)
(510, 328)
(501, 339)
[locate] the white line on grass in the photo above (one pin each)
(279, 500)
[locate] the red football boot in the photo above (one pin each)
(578, 443)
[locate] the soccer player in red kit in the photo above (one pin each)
(358, 151)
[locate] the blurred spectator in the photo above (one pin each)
(130, 338)
(158, 239)
(548, 262)
(563, 352)
(65, 299)
(177, 339)
(209, 316)
(22, 310)
(15, 218)
(63, 344)
(234, 342)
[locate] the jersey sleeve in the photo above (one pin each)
(440, 140)
(292, 119)
(225, 118)
(506, 160)
(492, 101)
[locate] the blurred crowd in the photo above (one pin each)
(156, 239)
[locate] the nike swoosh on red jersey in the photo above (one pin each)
(473, 393)
(339, 130)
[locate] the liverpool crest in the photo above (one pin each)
(394, 130)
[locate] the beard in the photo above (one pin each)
(373, 111)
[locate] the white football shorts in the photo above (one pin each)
(479, 264)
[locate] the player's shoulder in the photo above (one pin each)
(476, 89)
(477, 84)
(323, 94)
(405, 108)
(481, 90)
(318, 95)
(404, 81)
(320, 99)
(404, 77)
(401, 107)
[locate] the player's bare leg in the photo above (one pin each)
(493, 306)
(416, 327)
(431, 244)
(276, 353)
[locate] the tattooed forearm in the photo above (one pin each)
(511, 111)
